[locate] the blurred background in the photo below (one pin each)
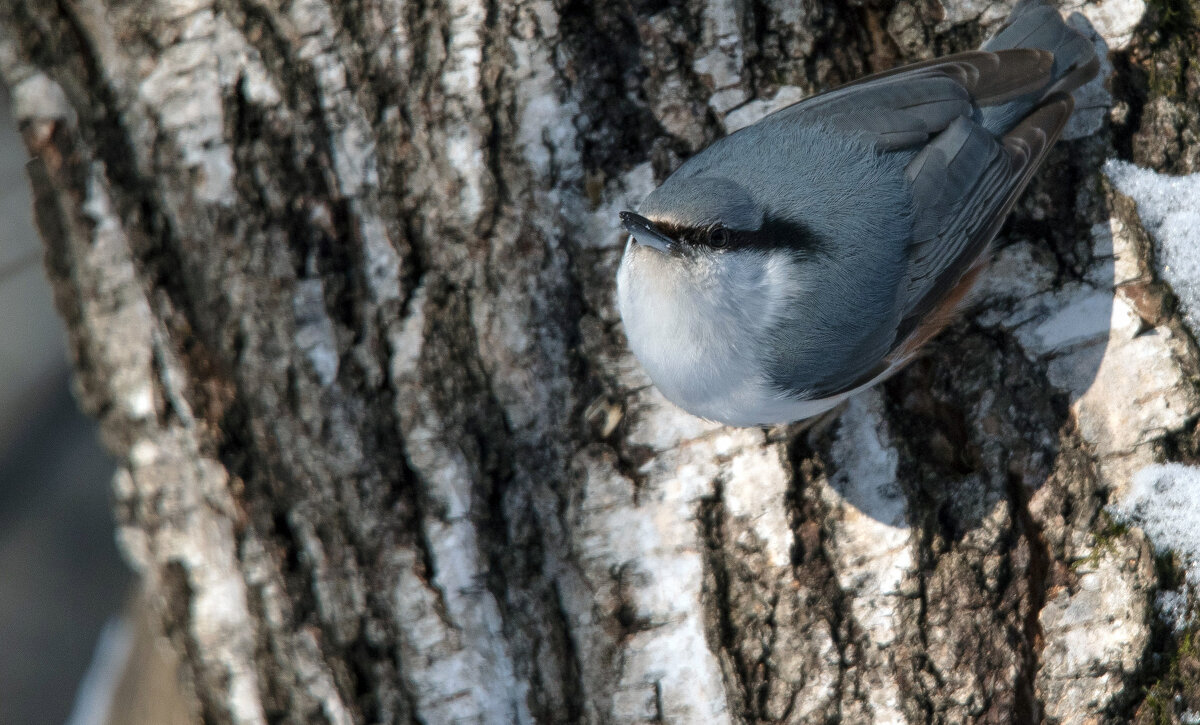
(75, 646)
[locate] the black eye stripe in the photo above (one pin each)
(774, 233)
(781, 233)
(701, 236)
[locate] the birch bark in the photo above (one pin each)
(339, 281)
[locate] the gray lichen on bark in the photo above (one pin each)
(338, 279)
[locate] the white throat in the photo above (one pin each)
(698, 326)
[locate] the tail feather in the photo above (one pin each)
(1037, 24)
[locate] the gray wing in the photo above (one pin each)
(904, 107)
(964, 184)
(963, 179)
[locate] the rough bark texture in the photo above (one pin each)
(339, 280)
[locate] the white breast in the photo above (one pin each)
(697, 327)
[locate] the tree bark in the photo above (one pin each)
(339, 284)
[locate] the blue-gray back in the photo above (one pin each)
(843, 313)
(901, 180)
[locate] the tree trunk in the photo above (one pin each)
(339, 283)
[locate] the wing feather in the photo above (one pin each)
(903, 108)
(964, 184)
(964, 179)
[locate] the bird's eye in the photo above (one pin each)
(719, 237)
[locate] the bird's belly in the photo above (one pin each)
(701, 340)
(741, 396)
(732, 394)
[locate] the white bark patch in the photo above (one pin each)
(129, 311)
(657, 423)
(758, 109)
(1094, 640)
(668, 672)
(183, 94)
(450, 624)
(1114, 20)
(461, 664)
(202, 542)
(720, 57)
(545, 131)
(756, 489)
(872, 545)
(382, 262)
(1126, 383)
(179, 91)
(317, 680)
(460, 84)
(355, 157)
(314, 330)
(221, 620)
(38, 97)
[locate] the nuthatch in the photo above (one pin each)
(810, 255)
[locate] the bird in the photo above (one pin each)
(811, 255)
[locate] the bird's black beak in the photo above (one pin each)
(645, 233)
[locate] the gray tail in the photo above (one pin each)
(1037, 24)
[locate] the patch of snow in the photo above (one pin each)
(1168, 208)
(1164, 501)
(1172, 607)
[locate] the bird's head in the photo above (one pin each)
(694, 220)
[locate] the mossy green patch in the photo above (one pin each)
(1174, 17)
(1177, 690)
(1104, 540)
